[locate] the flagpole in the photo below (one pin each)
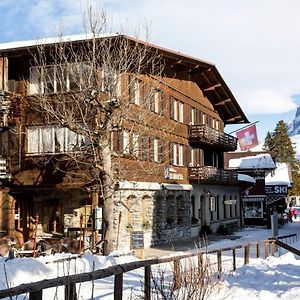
(243, 127)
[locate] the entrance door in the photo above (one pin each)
(24, 216)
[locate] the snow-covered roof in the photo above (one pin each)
(280, 176)
(260, 161)
(51, 40)
(246, 178)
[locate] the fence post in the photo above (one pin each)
(36, 295)
(273, 248)
(258, 249)
(266, 249)
(234, 259)
(177, 275)
(219, 255)
(70, 291)
(246, 254)
(147, 287)
(118, 287)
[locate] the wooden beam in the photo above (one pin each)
(213, 87)
(222, 102)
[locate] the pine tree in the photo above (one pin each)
(280, 144)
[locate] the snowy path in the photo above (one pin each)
(272, 278)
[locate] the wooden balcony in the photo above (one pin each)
(203, 135)
(212, 175)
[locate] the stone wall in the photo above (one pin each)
(163, 216)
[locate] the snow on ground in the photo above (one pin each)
(271, 278)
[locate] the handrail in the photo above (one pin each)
(35, 289)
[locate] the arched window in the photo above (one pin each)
(180, 210)
(224, 207)
(133, 212)
(147, 215)
(171, 210)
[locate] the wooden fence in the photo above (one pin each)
(35, 290)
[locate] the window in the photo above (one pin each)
(126, 142)
(181, 112)
(253, 209)
(155, 150)
(111, 82)
(155, 99)
(177, 155)
(60, 78)
(174, 154)
(135, 144)
(180, 155)
(53, 139)
(134, 91)
(175, 109)
(192, 116)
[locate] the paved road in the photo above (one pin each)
(241, 237)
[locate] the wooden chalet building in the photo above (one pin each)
(169, 170)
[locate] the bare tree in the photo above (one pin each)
(87, 87)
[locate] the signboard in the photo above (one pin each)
(230, 202)
(276, 189)
(212, 201)
(137, 239)
(170, 173)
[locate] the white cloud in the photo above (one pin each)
(255, 44)
(267, 101)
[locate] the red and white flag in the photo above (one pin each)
(247, 137)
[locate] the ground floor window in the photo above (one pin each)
(253, 209)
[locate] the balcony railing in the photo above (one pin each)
(205, 135)
(212, 175)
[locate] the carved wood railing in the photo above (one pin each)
(205, 135)
(212, 175)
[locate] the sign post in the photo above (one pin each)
(137, 243)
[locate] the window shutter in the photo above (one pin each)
(171, 108)
(120, 141)
(145, 147)
(171, 153)
(161, 150)
(186, 114)
(163, 104)
(151, 148)
(188, 150)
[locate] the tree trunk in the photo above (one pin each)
(108, 189)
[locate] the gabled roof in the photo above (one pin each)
(203, 73)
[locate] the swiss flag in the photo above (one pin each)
(247, 137)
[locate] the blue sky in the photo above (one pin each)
(255, 44)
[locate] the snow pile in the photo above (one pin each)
(271, 278)
(260, 161)
(280, 176)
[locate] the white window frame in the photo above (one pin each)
(45, 139)
(155, 150)
(192, 121)
(38, 77)
(126, 142)
(181, 108)
(174, 154)
(136, 91)
(180, 155)
(135, 144)
(175, 109)
(156, 101)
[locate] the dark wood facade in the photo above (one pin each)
(181, 141)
